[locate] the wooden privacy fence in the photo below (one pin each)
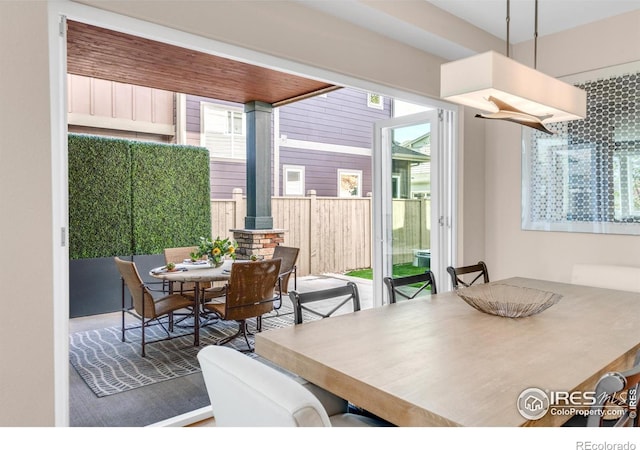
(332, 233)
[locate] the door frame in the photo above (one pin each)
(443, 194)
(58, 112)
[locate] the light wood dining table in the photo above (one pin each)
(439, 362)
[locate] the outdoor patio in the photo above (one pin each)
(160, 401)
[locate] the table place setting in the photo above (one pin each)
(181, 267)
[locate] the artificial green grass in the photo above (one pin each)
(399, 270)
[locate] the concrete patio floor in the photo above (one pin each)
(305, 284)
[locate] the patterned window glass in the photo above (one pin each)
(586, 177)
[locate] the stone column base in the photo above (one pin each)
(260, 243)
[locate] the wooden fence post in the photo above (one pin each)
(236, 195)
(424, 220)
(314, 257)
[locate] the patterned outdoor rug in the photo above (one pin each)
(110, 366)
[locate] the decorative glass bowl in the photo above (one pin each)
(508, 301)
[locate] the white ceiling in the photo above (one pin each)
(553, 15)
(489, 15)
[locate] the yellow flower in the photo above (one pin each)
(215, 251)
(231, 250)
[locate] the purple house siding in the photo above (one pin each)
(341, 117)
(321, 169)
(225, 176)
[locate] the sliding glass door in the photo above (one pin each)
(413, 197)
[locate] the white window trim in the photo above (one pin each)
(58, 71)
(372, 104)
(226, 108)
(286, 168)
(358, 173)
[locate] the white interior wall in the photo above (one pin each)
(550, 255)
(31, 198)
(26, 334)
(26, 231)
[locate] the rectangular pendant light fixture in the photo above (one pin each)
(474, 80)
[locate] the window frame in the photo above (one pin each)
(286, 169)
(371, 103)
(229, 113)
(343, 172)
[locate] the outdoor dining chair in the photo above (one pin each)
(479, 270)
(289, 257)
(332, 298)
(412, 286)
(148, 310)
(250, 292)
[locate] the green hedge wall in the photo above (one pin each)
(171, 196)
(135, 198)
(100, 217)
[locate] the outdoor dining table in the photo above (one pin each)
(439, 362)
(195, 273)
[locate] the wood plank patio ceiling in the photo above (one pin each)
(110, 55)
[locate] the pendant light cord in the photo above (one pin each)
(535, 40)
(535, 33)
(508, 19)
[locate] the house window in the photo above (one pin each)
(223, 131)
(375, 101)
(395, 186)
(293, 180)
(349, 183)
(586, 176)
(626, 180)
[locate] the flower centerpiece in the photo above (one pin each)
(215, 250)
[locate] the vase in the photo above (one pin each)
(215, 262)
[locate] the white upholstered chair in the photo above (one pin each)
(245, 392)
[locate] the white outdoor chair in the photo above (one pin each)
(245, 392)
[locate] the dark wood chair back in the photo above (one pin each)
(479, 270)
(412, 286)
(343, 295)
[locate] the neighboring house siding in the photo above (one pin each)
(341, 117)
(121, 134)
(225, 176)
(110, 108)
(321, 172)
